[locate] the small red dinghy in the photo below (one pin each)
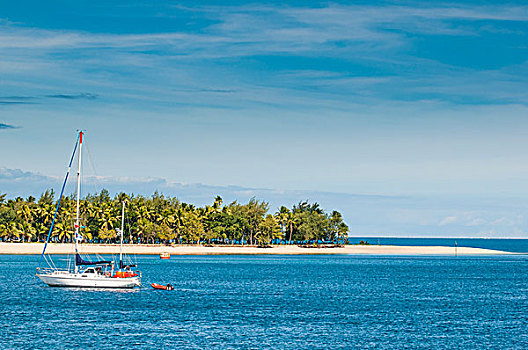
(162, 287)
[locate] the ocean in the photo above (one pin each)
(284, 302)
(509, 245)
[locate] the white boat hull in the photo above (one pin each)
(79, 280)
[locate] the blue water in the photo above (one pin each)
(508, 245)
(285, 302)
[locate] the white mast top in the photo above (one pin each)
(77, 221)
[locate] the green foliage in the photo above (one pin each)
(268, 229)
(160, 219)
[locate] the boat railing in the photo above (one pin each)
(50, 270)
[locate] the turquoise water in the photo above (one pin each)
(286, 302)
(508, 245)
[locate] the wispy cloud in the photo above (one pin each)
(81, 96)
(4, 126)
(365, 214)
(376, 37)
(261, 29)
(16, 182)
(15, 103)
(31, 100)
(16, 100)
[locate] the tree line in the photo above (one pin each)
(160, 219)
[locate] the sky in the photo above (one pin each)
(409, 117)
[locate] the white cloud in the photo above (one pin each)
(449, 220)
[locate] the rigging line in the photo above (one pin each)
(91, 163)
(127, 223)
(50, 262)
(87, 161)
(60, 198)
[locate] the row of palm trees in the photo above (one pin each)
(160, 219)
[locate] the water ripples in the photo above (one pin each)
(287, 302)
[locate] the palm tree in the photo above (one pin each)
(43, 217)
(286, 218)
(255, 212)
(268, 230)
(192, 227)
(217, 202)
(26, 213)
(337, 228)
(4, 231)
(164, 219)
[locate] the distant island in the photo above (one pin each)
(166, 220)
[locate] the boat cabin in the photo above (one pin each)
(97, 270)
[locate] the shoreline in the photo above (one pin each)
(156, 249)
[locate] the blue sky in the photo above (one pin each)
(409, 117)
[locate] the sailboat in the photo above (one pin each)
(83, 273)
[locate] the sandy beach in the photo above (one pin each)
(36, 248)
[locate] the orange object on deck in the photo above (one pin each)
(124, 274)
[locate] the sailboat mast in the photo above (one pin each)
(77, 222)
(122, 230)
